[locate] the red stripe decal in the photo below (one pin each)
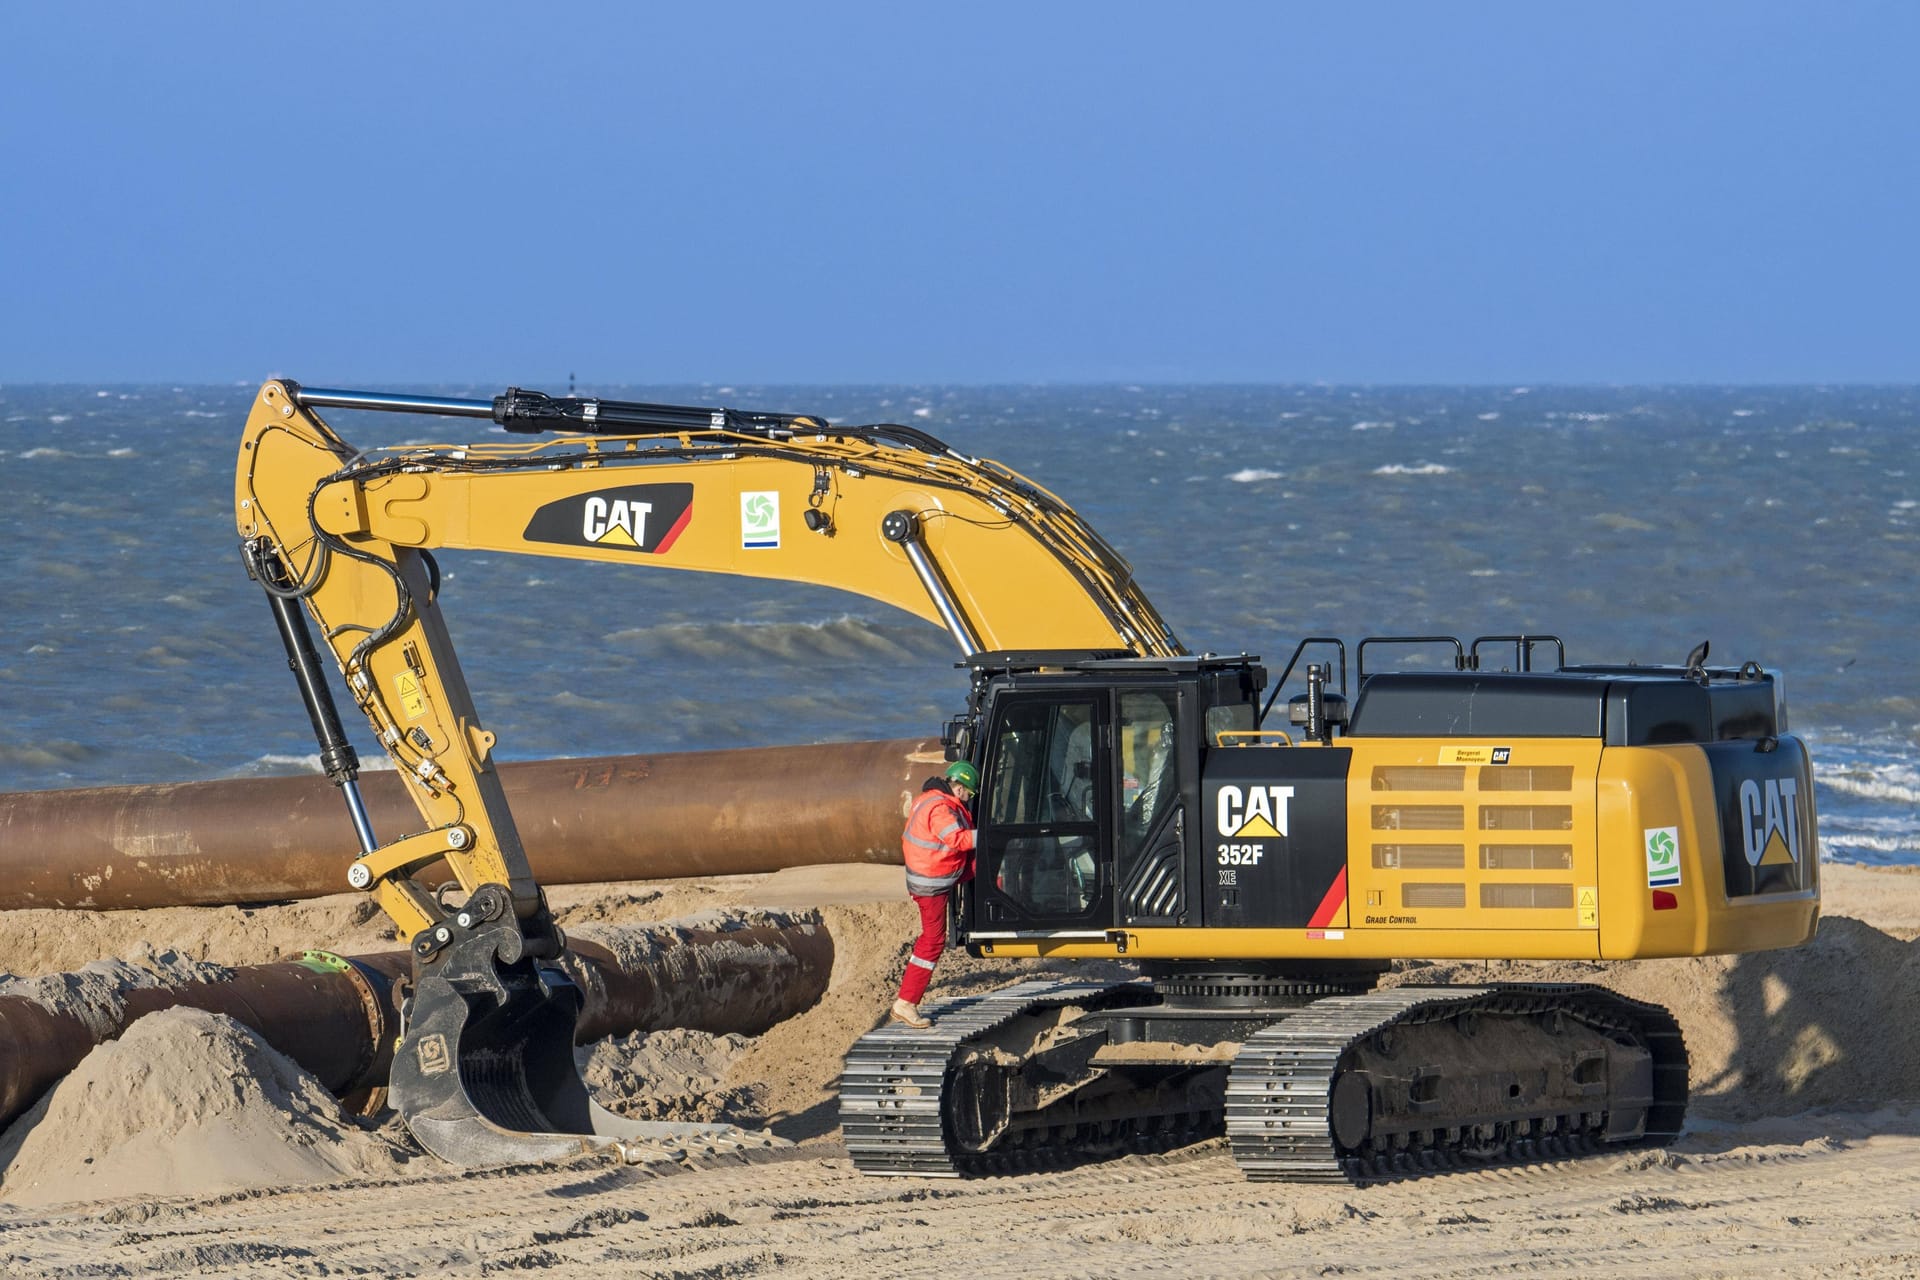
(678, 525)
(1334, 904)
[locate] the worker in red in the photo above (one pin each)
(938, 848)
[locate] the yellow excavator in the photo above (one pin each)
(1137, 801)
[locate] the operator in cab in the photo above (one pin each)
(938, 849)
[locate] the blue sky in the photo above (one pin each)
(407, 193)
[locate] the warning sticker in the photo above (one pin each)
(413, 699)
(1663, 857)
(1587, 899)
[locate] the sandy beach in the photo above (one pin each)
(187, 1148)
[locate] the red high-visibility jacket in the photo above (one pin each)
(937, 845)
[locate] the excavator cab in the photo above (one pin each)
(1090, 772)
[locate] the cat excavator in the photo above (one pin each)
(1138, 802)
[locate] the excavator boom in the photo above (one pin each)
(344, 538)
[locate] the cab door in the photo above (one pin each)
(1045, 827)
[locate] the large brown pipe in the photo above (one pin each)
(337, 1019)
(582, 821)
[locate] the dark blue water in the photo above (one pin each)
(1781, 523)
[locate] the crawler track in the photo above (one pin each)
(1282, 1089)
(897, 1109)
(1316, 1097)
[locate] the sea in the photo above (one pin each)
(1781, 524)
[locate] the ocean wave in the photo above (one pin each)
(122, 453)
(46, 451)
(1418, 469)
(843, 639)
(1829, 844)
(1248, 475)
(1372, 426)
(1868, 786)
(47, 753)
(277, 765)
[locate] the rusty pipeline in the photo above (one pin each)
(338, 1016)
(605, 818)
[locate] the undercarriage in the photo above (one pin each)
(1310, 1075)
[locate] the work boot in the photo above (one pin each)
(910, 1015)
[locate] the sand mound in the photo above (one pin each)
(1833, 1024)
(185, 1103)
(662, 1075)
(96, 992)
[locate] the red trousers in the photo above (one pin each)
(926, 948)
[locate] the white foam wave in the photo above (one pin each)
(57, 418)
(1831, 844)
(1867, 786)
(121, 453)
(1488, 417)
(46, 451)
(274, 764)
(846, 638)
(1372, 426)
(1248, 475)
(1418, 469)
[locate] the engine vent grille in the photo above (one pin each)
(1526, 817)
(1416, 894)
(1419, 777)
(1533, 896)
(1420, 857)
(1526, 857)
(1419, 817)
(1520, 777)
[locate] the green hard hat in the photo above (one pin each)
(964, 774)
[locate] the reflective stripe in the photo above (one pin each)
(951, 827)
(924, 964)
(931, 886)
(924, 844)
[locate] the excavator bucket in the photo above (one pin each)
(484, 1072)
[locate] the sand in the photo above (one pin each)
(676, 1074)
(185, 1103)
(210, 1154)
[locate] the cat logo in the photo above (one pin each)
(1258, 813)
(620, 522)
(1769, 821)
(645, 518)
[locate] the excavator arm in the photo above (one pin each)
(345, 537)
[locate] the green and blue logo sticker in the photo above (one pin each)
(1663, 857)
(760, 520)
